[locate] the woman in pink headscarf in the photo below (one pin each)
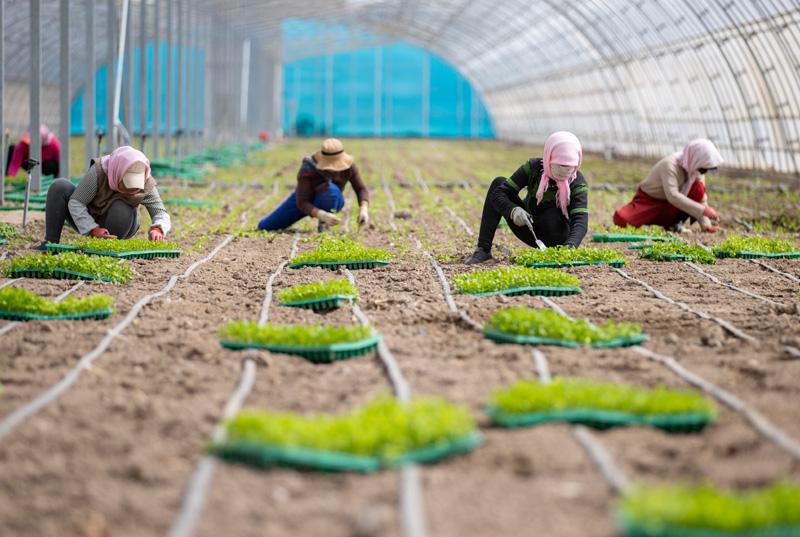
(105, 204)
(555, 209)
(51, 153)
(675, 190)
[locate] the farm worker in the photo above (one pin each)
(105, 204)
(321, 180)
(51, 153)
(675, 190)
(555, 205)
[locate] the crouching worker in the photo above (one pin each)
(105, 204)
(555, 207)
(321, 182)
(51, 153)
(675, 190)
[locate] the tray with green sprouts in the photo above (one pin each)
(600, 405)
(565, 256)
(7, 231)
(69, 266)
(678, 251)
(22, 305)
(525, 326)
(382, 433)
(120, 248)
(517, 280)
(335, 252)
(190, 203)
(31, 207)
(319, 295)
(314, 342)
(707, 511)
(633, 234)
(755, 247)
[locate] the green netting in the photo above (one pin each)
(333, 265)
(319, 354)
(603, 419)
(323, 303)
(635, 528)
(504, 337)
(536, 291)
(26, 316)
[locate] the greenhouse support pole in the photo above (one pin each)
(142, 66)
(64, 111)
(123, 30)
(426, 95)
(329, 94)
(277, 96)
(156, 126)
(179, 89)
(3, 140)
(377, 92)
(127, 78)
(89, 94)
(244, 94)
(111, 22)
(35, 93)
(170, 81)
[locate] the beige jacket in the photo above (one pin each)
(665, 182)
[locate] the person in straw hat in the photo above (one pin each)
(321, 180)
(105, 204)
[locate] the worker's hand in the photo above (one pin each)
(328, 218)
(363, 216)
(520, 216)
(101, 233)
(710, 213)
(711, 229)
(155, 234)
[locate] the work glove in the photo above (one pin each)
(710, 213)
(520, 216)
(101, 233)
(328, 218)
(363, 216)
(155, 234)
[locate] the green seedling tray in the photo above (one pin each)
(617, 264)
(603, 419)
(324, 303)
(58, 274)
(34, 198)
(317, 354)
(189, 203)
(2, 241)
(620, 237)
(640, 246)
(756, 255)
(20, 207)
(140, 254)
(503, 337)
(26, 316)
(536, 291)
(667, 257)
(333, 265)
(268, 456)
(56, 247)
(635, 528)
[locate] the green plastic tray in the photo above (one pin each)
(620, 237)
(333, 265)
(666, 257)
(640, 246)
(756, 255)
(537, 291)
(268, 456)
(504, 337)
(324, 303)
(318, 354)
(25, 316)
(140, 254)
(617, 264)
(603, 419)
(57, 247)
(189, 203)
(31, 207)
(2, 241)
(634, 528)
(34, 198)
(58, 274)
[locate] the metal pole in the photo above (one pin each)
(192, 89)
(245, 83)
(3, 140)
(64, 111)
(156, 78)
(329, 94)
(426, 95)
(35, 92)
(123, 30)
(180, 89)
(111, 22)
(127, 65)
(143, 74)
(170, 88)
(89, 111)
(377, 120)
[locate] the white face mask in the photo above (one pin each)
(560, 172)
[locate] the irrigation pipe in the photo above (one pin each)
(390, 202)
(790, 277)
(10, 282)
(421, 181)
(13, 324)
(732, 287)
(55, 391)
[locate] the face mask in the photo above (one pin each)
(703, 171)
(559, 172)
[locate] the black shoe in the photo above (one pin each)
(322, 227)
(41, 247)
(478, 256)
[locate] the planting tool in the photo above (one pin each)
(28, 165)
(529, 223)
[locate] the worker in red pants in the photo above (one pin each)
(675, 190)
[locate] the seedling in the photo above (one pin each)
(678, 251)
(333, 252)
(633, 234)
(7, 231)
(69, 265)
(319, 295)
(562, 256)
(21, 305)
(753, 247)
(516, 280)
(122, 248)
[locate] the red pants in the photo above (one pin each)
(645, 210)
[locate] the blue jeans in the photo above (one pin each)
(287, 213)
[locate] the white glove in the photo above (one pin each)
(363, 216)
(328, 218)
(520, 216)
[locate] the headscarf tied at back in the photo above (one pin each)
(562, 148)
(117, 163)
(699, 153)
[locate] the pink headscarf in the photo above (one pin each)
(562, 148)
(117, 163)
(699, 153)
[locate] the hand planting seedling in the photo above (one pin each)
(21, 305)
(125, 248)
(599, 404)
(69, 265)
(752, 247)
(567, 256)
(676, 510)
(333, 252)
(319, 295)
(678, 251)
(516, 280)
(525, 326)
(633, 234)
(383, 432)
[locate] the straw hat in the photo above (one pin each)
(332, 156)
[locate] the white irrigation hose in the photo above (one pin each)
(731, 286)
(262, 318)
(790, 277)
(792, 351)
(421, 181)
(10, 326)
(55, 391)
(703, 315)
(758, 421)
(460, 220)
(555, 307)
(10, 282)
(392, 207)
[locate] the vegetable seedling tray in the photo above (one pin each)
(137, 254)
(504, 337)
(314, 353)
(559, 264)
(58, 274)
(687, 422)
(667, 257)
(756, 255)
(2, 241)
(640, 246)
(189, 203)
(323, 303)
(635, 528)
(27, 316)
(33, 198)
(537, 291)
(621, 237)
(31, 207)
(333, 265)
(267, 456)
